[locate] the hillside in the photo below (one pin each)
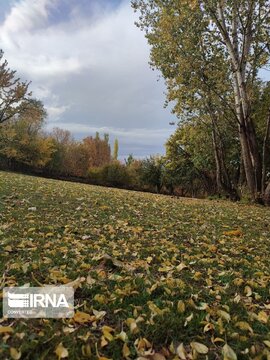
(156, 277)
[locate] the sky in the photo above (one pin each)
(88, 63)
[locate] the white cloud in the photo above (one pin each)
(54, 112)
(138, 134)
(27, 15)
(90, 69)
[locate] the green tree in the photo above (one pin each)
(115, 149)
(152, 171)
(189, 159)
(209, 53)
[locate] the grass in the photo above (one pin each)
(181, 271)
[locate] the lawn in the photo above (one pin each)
(156, 277)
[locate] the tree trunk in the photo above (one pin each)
(267, 131)
(239, 56)
(266, 197)
(247, 162)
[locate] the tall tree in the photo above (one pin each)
(115, 149)
(209, 52)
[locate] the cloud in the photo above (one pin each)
(140, 142)
(138, 134)
(27, 15)
(89, 64)
(54, 112)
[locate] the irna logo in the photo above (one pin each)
(36, 300)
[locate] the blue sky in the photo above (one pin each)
(88, 63)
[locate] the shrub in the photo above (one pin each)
(114, 174)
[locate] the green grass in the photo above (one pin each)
(224, 285)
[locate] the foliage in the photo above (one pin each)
(154, 277)
(209, 53)
(14, 93)
(152, 171)
(115, 149)
(22, 140)
(113, 174)
(74, 158)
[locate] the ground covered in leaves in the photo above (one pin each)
(155, 277)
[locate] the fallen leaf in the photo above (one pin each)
(15, 354)
(82, 317)
(228, 353)
(6, 329)
(199, 348)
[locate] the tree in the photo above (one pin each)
(115, 149)
(58, 165)
(190, 161)
(130, 160)
(151, 172)
(14, 93)
(21, 137)
(209, 53)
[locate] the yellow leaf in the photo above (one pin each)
(90, 280)
(61, 351)
(180, 351)
(228, 353)
(15, 354)
(218, 340)
(122, 336)
(165, 268)
(8, 248)
(263, 317)
(103, 342)
(99, 314)
(237, 299)
(82, 317)
(188, 319)
(100, 298)
(86, 350)
(181, 306)
(5, 329)
(248, 291)
(106, 330)
(125, 351)
(197, 275)
(155, 309)
(243, 325)
(181, 266)
(267, 343)
(50, 234)
(132, 325)
(25, 267)
(238, 281)
(208, 327)
(199, 348)
(224, 315)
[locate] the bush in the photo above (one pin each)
(95, 176)
(114, 174)
(117, 175)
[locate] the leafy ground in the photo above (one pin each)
(155, 277)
